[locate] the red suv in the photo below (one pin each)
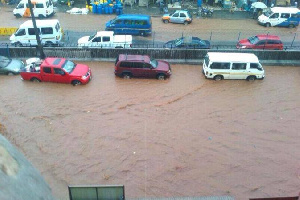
(128, 66)
(263, 41)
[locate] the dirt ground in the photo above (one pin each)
(186, 136)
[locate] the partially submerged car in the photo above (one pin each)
(179, 17)
(188, 43)
(10, 66)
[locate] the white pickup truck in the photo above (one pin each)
(106, 39)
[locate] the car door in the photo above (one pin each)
(148, 70)
(137, 69)
(274, 19)
(96, 42)
(260, 44)
(182, 18)
(60, 76)
(46, 74)
(238, 71)
(175, 18)
(106, 43)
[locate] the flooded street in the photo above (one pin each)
(186, 136)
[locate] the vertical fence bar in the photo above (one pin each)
(210, 36)
(153, 38)
(239, 36)
(293, 39)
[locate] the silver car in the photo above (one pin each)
(179, 17)
(10, 66)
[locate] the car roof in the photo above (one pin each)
(54, 62)
(285, 9)
(232, 57)
(128, 57)
(267, 36)
(134, 16)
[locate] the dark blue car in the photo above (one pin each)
(188, 43)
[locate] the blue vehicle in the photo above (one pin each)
(130, 24)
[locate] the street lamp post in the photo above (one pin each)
(39, 44)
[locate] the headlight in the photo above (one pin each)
(84, 77)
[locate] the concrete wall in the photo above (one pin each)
(171, 55)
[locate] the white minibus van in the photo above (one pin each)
(219, 65)
(280, 16)
(41, 8)
(50, 33)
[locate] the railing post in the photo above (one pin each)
(293, 39)
(7, 50)
(210, 36)
(239, 36)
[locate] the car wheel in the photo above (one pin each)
(166, 21)
(10, 73)
(35, 80)
(18, 44)
(185, 23)
(48, 44)
(268, 24)
(126, 75)
(41, 16)
(218, 77)
(161, 77)
(18, 16)
(291, 26)
(76, 82)
(251, 78)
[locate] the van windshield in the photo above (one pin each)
(154, 63)
(92, 36)
(253, 39)
(69, 66)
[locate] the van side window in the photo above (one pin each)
(47, 30)
(39, 5)
(275, 15)
(27, 5)
(239, 66)
(106, 39)
(126, 64)
(127, 22)
(220, 65)
(182, 15)
(97, 39)
(31, 31)
(20, 32)
(47, 70)
(254, 66)
(285, 15)
(118, 22)
(295, 15)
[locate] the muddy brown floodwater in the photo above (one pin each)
(186, 136)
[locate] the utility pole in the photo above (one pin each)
(37, 33)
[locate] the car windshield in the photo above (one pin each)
(4, 61)
(154, 63)
(69, 66)
(92, 36)
(253, 39)
(178, 41)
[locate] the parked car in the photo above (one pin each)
(263, 41)
(128, 66)
(59, 70)
(179, 17)
(188, 43)
(10, 66)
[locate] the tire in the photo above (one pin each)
(161, 77)
(10, 73)
(18, 44)
(126, 75)
(18, 16)
(291, 26)
(218, 77)
(48, 44)
(251, 78)
(41, 16)
(35, 80)
(166, 21)
(185, 23)
(268, 24)
(76, 82)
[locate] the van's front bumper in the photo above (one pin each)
(261, 23)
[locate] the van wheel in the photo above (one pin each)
(185, 23)
(166, 21)
(126, 75)
(35, 80)
(291, 26)
(76, 82)
(268, 24)
(161, 77)
(251, 78)
(18, 44)
(18, 16)
(218, 77)
(41, 16)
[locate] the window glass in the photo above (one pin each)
(31, 31)
(126, 64)
(97, 39)
(47, 70)
(285, 15)
(27, 5)
(176, 15)
(39, 5)
(127, 22)
(20, 32)
(182, 15)
(106, 39)
(295, 15)
(220, 65)
(47, 30)
(262, 42)
(58, 71)
(239, 66)
(253, 65)
(118, 22)
(147, 65)
(275, 15)
(137, 65)
(21, 5)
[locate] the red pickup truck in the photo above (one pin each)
(59, 70)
